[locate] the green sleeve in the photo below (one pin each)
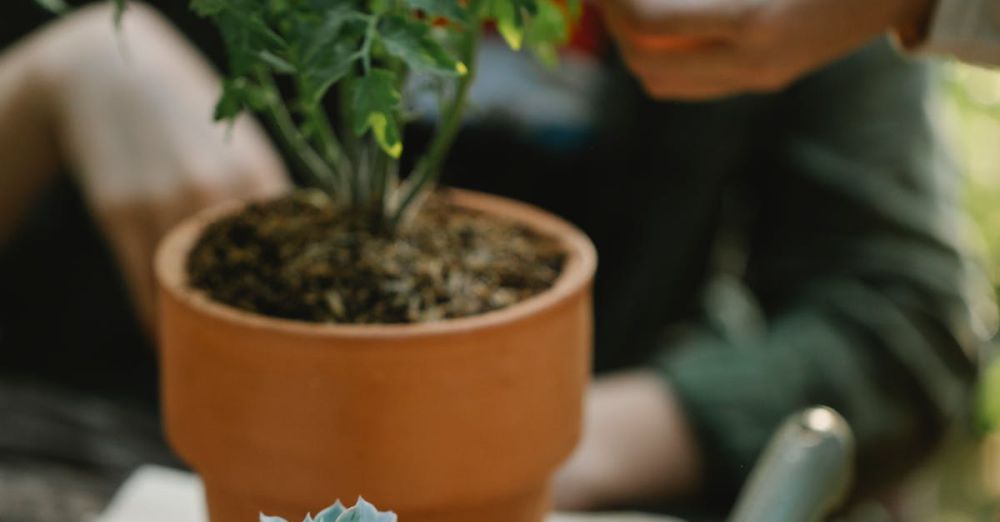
(853, 258)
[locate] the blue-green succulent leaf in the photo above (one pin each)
(363, 511)
(331, 514)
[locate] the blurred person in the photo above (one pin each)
(759, 254)
(128, 116)
(698, 49)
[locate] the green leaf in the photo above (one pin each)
(119, 11)
(230, 104)
(449, 9)
(548, 28)
(208, 8)
(549, 25)
(989, 397)
(55, 6)
(60, 7)
(410, 40)
(531, 6)
(328, 49)
(248, 38)
(317, 78)
(277, 63)
(509, 16)
(239, 94)
(575, 8)
(375, 106)
(320, 35)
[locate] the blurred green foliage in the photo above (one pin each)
(973, 110)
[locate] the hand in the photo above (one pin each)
(132, 113)
(636, 449)
(701, 49)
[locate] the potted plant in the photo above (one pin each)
(426, 349)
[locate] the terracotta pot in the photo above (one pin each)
(461, 420)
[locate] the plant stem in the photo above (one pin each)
(366, 47)
(330, 147)
(428, 169)
(366, 164)
(352, 144)
(321, 174)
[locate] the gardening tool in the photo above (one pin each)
(805, 472)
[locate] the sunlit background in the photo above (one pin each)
(972, 109)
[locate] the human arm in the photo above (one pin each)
(26, 143)
(637, 447)
(130, 115)
(854, 259)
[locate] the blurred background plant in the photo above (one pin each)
(972, 109)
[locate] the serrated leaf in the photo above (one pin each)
(386, 132)
(376, 102)
(410, 40)
(266, 518)
(318, 78)
(277, 63)
(327, 52)
(550, 24)
(509, 19)
(237, 95)
(245, 31)
(319, 37)
(548, 28)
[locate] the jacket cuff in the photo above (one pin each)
(731, 413)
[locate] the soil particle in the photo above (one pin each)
(301, 257)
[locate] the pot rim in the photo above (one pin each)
(581, 263)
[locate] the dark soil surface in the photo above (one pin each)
(301, 257)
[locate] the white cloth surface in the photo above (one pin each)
(155, 494)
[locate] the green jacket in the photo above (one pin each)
(765, 253)
(768, 253)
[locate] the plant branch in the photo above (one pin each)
(428, 169)
(282, 121)
(366, 47)
(330, 147)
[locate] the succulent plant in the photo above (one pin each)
(362, 511)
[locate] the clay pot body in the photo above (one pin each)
(457, 421)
